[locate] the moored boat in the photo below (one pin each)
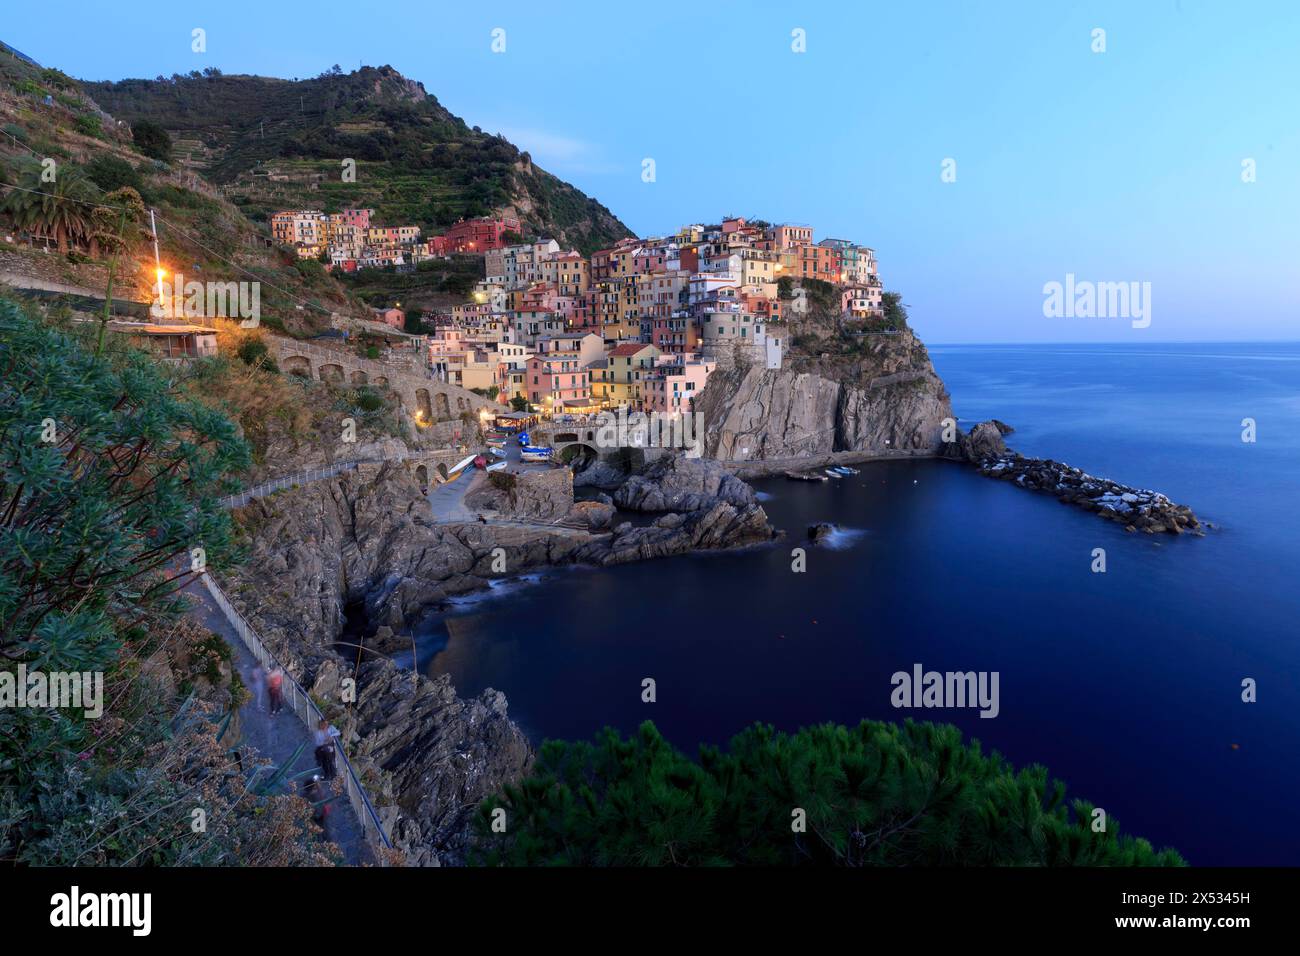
(535, 454)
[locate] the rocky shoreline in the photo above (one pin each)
(365, 542)
(1137, 509)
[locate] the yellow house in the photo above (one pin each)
(627, 374)
(759, 269)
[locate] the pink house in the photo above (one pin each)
(356, 217)
(672, 388)
(446, 341)
(539, 297)
(394, 317)
(557, 381)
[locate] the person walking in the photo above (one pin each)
(325, 755)
(275, 684)
(257, 684)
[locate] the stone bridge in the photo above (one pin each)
(425, 399)
(578, 441)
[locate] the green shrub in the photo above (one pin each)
(108, 172)
(152, 140)
(878, 794)
(89, 125)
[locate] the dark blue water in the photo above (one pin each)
(1127, 684)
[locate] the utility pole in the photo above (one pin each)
(157, 259)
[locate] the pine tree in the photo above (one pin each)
(877, 794)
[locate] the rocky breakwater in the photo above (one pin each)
(1136, 509)
(874, 397)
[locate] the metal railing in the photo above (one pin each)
(305, 709)
(329, 471)
(288, 481)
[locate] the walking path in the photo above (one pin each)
(447, 500)
(278, 737)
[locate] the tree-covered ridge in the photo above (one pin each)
(278, 143)
(878, 794)
(109, 477)
(45, 117)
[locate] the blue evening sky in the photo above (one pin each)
(1122, 166)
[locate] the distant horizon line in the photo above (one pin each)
(1154, 342)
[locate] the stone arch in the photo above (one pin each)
(579, 455)
(441, 406)
(422, 475)
(422, 409)
(460, 404)
(442, 470)
(297, 365)
(381, 380)
(330, 372)
(358, 377)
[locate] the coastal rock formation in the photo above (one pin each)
(678, 483)
(1137, 509)
(598, 515)
(531, 494)
(600, 474)
(883, 398)
(440, 756)
(820, 531)
(983, 441)
(719, 525)
(366, 542)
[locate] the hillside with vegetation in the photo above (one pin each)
(109, 477)
(275, 144)
(75, 183)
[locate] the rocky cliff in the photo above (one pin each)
(878, 395)
(365, 543)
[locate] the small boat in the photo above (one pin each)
(498, 466)
(454, 472)
(804, 476)
(531, 453)
(479, 462)
(833, 474)
(499, 452)
(846, 470)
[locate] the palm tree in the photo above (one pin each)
(62, 209)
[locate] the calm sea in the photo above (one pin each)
(1126, 685)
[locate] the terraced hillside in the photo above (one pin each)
(274, 143)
